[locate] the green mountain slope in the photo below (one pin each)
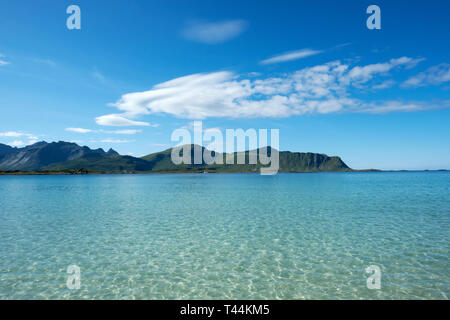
(112, 163)
(69, 156)
(42, 154)
(289, 162)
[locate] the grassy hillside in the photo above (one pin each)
(59, 156)
(113, 163)
(289, 162)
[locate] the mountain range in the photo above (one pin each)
(57, 156)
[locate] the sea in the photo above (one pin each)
(348, 235)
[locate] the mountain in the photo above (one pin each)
(107, 163)
(69, 156)
(289, 162)
(43, 155)
(4, 150)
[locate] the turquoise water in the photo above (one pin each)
(226, 236)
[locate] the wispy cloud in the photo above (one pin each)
(159, 145)
(128, 131)
(2, 61)
(11, 134)
(112, 141)
(399, 106)
(18, 143)
(292, 55)
(362, 74)
(117, 120)
(82, 130)
(432, 76)
(47, 62)
(384, 85)
(322, 89)
(78, 130)
(18, 134)
(214, 32)
(99, 76)
(341, 45)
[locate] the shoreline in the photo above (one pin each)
(89, 172)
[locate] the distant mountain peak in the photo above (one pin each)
(111, 151)
(38, 144)
(41, 155)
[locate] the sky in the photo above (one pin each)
(138, 70)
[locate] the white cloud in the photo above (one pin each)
(432, 76)
(129, 131)
(399, 106)
(113, 141)
(16, 143)
(363, 74)
(383, 85)
(32, 139)
(325, 88)
(78, 130)
(18, 134)
(82, 130)
(11, 134)
(117, 120)
(292, 55)
(214, 32)
(2, 61)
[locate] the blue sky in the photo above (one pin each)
(137, 70)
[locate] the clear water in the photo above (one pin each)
(226, 236)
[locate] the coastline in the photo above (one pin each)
(90, 172)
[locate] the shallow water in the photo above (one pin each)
(226, 236)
